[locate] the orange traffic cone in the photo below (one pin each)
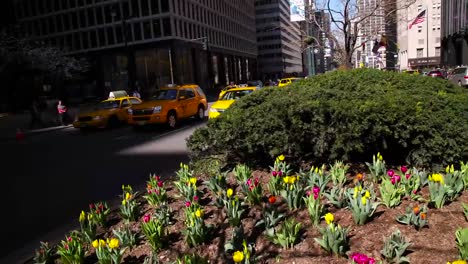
(19, 134)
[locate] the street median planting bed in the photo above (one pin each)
(335, 213)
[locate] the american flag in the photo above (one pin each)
(419, 19)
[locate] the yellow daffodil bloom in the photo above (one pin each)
(329, 218)
(114, 243)
(82, 216)
(437, 177)
(238, 256)
(199, 213)
(367, 194)
(193, 180)
(128, 196)
(95, 244)
(229, 192)
(281, 157)
(364, 200)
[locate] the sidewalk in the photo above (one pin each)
(9, 123)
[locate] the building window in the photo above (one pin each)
(437, 52)
(166, 27)
(419, 53)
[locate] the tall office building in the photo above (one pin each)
(278, 40)
(377, 34)
(454, 32)
(419, 43)
(323, 50)
(149, 43)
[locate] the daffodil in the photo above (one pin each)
(364, 200)
(193, 180)
(229, 192)
(367, 194)
(82, 216)
(114, 243)
(199, 213)
(238, 256)
(329, 218)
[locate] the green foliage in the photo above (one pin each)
(242, 173)
(293, 191)
(154, 232)
(344, 115)
(362, 204)
(271, 217)
(71, 250)
(45, 254)
(316, 177)
(217, 185)
(337, 197)
(156, 191)
(252, 190)
(234, 210)
(394, 248)
(191, 259)
(461, 236)
(338, 173)
(288, 233)
(416, 216)
(465, 211)
(129, 209)
(390, 193)
(126, 236)
(314, 206)
(334, 239)
(196, 230)
(99, 213)
(238, 245)
(377, 168)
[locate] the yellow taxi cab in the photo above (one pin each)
(287, 81)
(228, 99)
(108, 113)
(169, 105)
(227, 88)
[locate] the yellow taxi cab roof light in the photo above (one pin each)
(118, 94)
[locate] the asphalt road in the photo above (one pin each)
(49, 178)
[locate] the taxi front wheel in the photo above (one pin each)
(172, 120)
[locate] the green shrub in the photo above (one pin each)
(344, 115)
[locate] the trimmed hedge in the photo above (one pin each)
(346, 115)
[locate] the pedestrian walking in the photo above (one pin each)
(35, 114)
(61, 113)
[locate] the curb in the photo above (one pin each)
(36, 132)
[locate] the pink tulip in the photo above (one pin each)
(69, 239)
(316, 190)
(158, 178)
(91, 206)
(160, 184)
(146, 218)
(249, 182)
(188, 204)
(404, 169)
(398, 178)
(390, 173)
(280, 173)
(274, 173)
(308, 193)
(315, 196)
(408, 176)
(195, 198)
(256, 181)
(415, 191)
(393, 180)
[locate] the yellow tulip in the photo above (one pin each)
(452, 169)
(124, 202)
(281, 157)
(457, 262)
(102, 243)
(90, 217)
(193, 180)
(286, 179)
(437, 177)
(356, 190)
(329, 218)
(114, 243)
(229, 192)
(95, 244)
(238, 256)
(128, 196)
(364, 200)
(367, 194)
(82, 216)
(447, 169)
(292, 179)
(199, 213)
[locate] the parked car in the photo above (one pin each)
(437, 74)
(287, 81)
(459, 76)
(169, 105)
(107, 113)
(228, 99)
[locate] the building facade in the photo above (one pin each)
(454, 32)
(420, 45)
(278, 39)
(323, 49)
(147, 44)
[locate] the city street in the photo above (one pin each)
(49, 178)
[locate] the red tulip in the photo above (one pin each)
(273, 173)
(188, 203)
(408, 176)
(195, 198)
(146, 218)
(404, 169)
(390, 173)
(272, 199)
(160, 184)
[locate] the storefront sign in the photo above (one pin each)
(424, 61)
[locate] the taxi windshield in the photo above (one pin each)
(170, 94)
(108, 105)
(234, 95)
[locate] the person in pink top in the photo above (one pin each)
(62, 112)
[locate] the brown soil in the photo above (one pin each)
(433, 244)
